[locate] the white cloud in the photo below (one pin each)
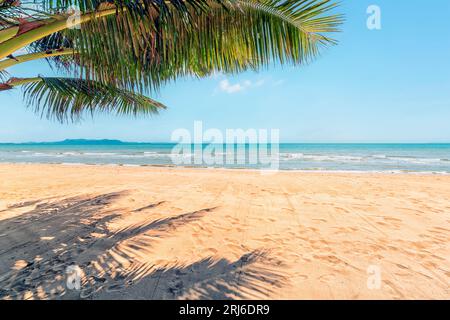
(228, 87)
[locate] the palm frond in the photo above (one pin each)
(7, 14)
(15, 12)
(138, 6)
(143, 10)
(54, 41)
(66, 99)
(153, 42)
(147, 43)
(4, 76)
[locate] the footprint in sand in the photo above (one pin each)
(438, 257)
(430, 265)
(330, 258)
(397, 293)
(418, 245)
(86, 293)
(234, 246)
(115, 287)
(392, 219)
(212, 251)
(326, 278)
(301, 277)
(341, 210)
(176, 287)
(292, 233)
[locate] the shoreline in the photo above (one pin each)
(262, 171)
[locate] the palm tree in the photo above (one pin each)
(119, 51)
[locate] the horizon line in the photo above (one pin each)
(172, 142)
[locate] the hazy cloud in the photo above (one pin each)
(226, 86)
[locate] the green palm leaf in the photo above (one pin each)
(147, 45)
(4, 76)
(127, 46)
(68, 99)
(7, 14)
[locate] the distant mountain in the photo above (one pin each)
(88, 142)
(71, 142)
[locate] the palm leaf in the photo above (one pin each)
(138, 6)
(68, 99)
(55, 41)
(153, 42)
(8, 13)
(4, 75)
(26, 10)
(147, 43)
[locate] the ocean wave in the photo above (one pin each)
(399, 160)
(381, 158)
(320, 157)
(100, 154)
(415, 160)
(144, 155)
(286, 156)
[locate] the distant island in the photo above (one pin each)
(71, 142)
(111, 142)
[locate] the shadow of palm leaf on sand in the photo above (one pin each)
(37, 246)
(112, 261)
(153, 205)
(62, 221)
(255, 275)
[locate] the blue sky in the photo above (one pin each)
(388, 85)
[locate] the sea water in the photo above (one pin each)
(430, 158)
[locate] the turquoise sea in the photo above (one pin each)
(430, 158)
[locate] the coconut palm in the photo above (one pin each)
(119, 51)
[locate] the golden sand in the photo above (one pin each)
(172, 233)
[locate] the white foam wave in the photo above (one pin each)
(381, 158)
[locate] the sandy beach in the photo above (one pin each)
(175, 233)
